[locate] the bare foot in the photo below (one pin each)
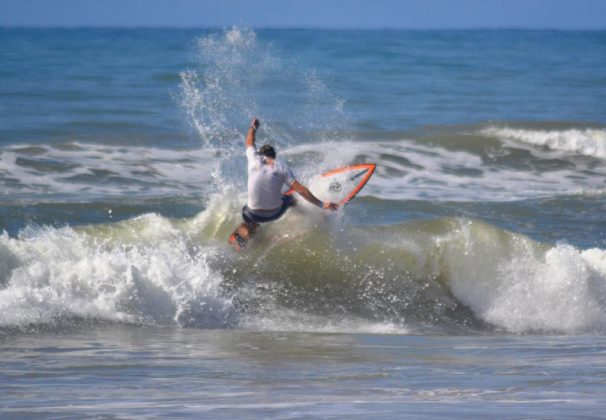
(246, 230)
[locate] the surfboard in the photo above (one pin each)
(339, 186)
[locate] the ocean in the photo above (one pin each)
(467, 279)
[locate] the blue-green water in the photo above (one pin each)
(467, 279)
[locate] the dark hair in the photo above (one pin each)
(268, 151)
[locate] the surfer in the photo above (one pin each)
(266, 203)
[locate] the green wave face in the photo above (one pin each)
(422, 273)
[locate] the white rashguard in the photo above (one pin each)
(265, 182)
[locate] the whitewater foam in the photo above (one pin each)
(58, 273)
(289, 320)
(92, 170)
(446, 273)
(407, 169)
(520, 286)
(586, 142)
(410, 170)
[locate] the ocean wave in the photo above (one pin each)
(62, 273)
(302, 273)
(442, 169)
(95, 170)
(586, 142)
(448, 168)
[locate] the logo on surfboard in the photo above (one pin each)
(335, 186)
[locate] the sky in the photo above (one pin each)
(354, 14)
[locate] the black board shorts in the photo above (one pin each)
(252, 217)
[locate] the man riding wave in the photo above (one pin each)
(266, 176)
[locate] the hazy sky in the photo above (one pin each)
(556, 14)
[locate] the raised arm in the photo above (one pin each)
(306, 194)
(250, 137)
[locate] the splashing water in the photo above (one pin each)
(239, 77)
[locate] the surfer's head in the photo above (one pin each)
(267, 151)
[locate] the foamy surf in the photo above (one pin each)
(520, 286)
(50, 274)
(488, 165)
(446, 274)
(585, 141)
(89, 171)
(453, 168)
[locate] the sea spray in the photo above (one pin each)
(238, 77)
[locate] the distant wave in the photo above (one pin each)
(446, 167)
(456, 167)
(586, 142)
(85, 171)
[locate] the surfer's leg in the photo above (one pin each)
(242, 234)
(288, 201)
(247, 229)
(249, 226)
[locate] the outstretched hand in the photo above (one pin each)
(255, 123)
(331, 206)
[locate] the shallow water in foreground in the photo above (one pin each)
(131, 371)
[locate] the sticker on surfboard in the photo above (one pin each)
(342, 184)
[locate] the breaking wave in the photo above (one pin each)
(237, 75)
(302, 273)
(586, 141)
(448, 274)
(453, 166)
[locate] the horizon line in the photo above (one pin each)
(303, 27)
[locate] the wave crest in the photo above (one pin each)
(586, 142)
(453, 274)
